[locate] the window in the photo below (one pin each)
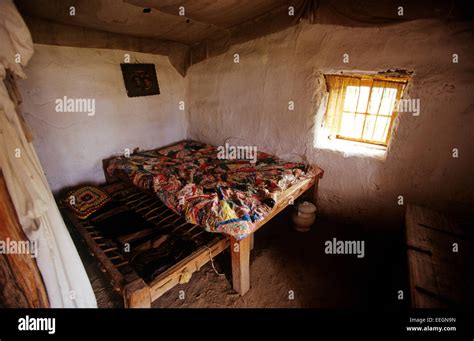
(363, 108)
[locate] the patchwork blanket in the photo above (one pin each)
(221, 195)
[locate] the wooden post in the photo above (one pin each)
(240, 254)
(137, 294)
(315, 192)
(312, 193)
(252, 241)
(21, 285)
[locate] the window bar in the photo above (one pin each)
(390, 123)
(366, 109)
(342, 93)
(337, 118)
(398, 86)
(377, 114)
(357, 104)
(395, 112)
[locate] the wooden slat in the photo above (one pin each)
(434, 220)
(152, 243)
(190, 264)
(109, 213)
(414, 237)
(452, 284)
(422, 272)
(438, 276)
(128, 238)
(116, 276)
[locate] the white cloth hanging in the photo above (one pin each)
(63, 273)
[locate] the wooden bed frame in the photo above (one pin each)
(140, 294)
(112, 260)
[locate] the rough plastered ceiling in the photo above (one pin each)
(189, 31)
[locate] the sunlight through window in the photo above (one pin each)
(364, 108)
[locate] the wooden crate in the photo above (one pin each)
(438, 276)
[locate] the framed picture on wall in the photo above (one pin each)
(140, 80)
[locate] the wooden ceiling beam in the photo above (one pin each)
(52, 33)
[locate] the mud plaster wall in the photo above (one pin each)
(71, 145)
(247, 103)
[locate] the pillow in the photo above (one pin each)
(86, 200)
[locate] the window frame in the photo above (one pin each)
(368, 80)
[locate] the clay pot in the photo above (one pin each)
(304, 217)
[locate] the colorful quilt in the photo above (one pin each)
(221, 195)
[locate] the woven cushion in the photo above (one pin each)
(86, 200)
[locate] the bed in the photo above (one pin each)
(232, 197)
(143, 247)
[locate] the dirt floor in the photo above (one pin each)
(290, 269)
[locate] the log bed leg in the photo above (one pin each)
(137, 294)
(240, 254)
(252, 241)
